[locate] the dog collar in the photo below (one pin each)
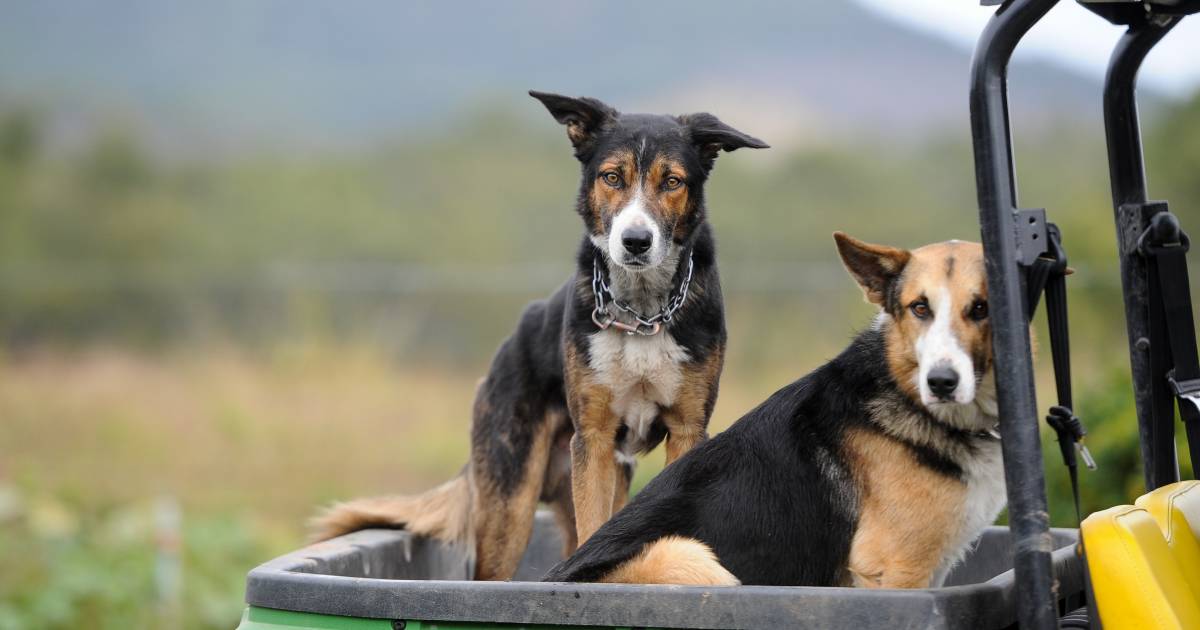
(645, 326)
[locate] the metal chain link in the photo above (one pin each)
(646, 326)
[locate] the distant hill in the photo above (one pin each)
(226, 73)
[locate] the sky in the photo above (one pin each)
(1070, 35)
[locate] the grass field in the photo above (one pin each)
(95, 444)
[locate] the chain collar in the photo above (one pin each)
(645, 326)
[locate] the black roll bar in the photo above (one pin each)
(997, 192)
(1151, 392)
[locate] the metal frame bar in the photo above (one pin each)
(1019, 424)
(1151, 393)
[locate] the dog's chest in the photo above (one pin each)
(985, 497)
(643, 374)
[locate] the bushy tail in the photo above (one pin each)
(443, 513)
(673, 560)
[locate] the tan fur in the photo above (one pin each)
(699, 380)
(607, 200)
(908, 514)
(673, 560)
(598, 487)
(577, 132)
(440, 513)
(670, 205)
(593, 461)
(463, 510)
(956, 265)
(504, 523)
(870, 265)
(594, 468)
(621, 491)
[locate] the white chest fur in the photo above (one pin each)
(984, 474)
(643, 373)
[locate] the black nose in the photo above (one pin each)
(637, 240)
(942, 381)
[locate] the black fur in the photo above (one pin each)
(525, 382)
(772, 495)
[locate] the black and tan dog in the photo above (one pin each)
(627, 352)
(878, 469)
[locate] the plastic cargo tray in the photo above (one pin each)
(387, 579)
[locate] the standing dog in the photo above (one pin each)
(878, 469)
(627, 352)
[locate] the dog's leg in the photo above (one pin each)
(564, 514)
(504, 509)
(556, 491)
(909, 513)
(593, 462)
(687, 419)
(684, 431)
(624, 479)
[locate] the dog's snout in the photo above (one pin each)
(637, 240)
(942, 381)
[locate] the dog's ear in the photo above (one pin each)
(583, 116)
(875, 267)
(711, 136)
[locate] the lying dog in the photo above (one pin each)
(627, 352)
(879, 469)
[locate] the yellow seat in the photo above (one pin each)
(1176, 508)
(1137, 580)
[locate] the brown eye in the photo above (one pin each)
(612, 178)
(920, 309)
(672, 183)
(979, 310)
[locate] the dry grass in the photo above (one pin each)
(270, 436)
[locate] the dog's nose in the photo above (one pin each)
(942, 381)
(637, 240)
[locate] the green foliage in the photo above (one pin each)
(19, 139)
(68, 567)
(1107, 411)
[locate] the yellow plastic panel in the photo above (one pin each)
(1176, 508)
(1136, 578)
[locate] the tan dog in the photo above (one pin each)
(878, 469)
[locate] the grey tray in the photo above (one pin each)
(388, 574)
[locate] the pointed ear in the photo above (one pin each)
(711, 136)
(583, 116)
(875, 267)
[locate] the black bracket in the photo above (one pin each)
(1030, 232)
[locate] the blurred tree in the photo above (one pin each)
(19, 139)
(1173, 161)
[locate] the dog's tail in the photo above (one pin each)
(673, 560)
(443, 513)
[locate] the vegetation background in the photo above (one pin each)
(253, 258)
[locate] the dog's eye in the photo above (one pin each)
(672, 183)
(979, 310)
(920, 309)
(612, 178)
